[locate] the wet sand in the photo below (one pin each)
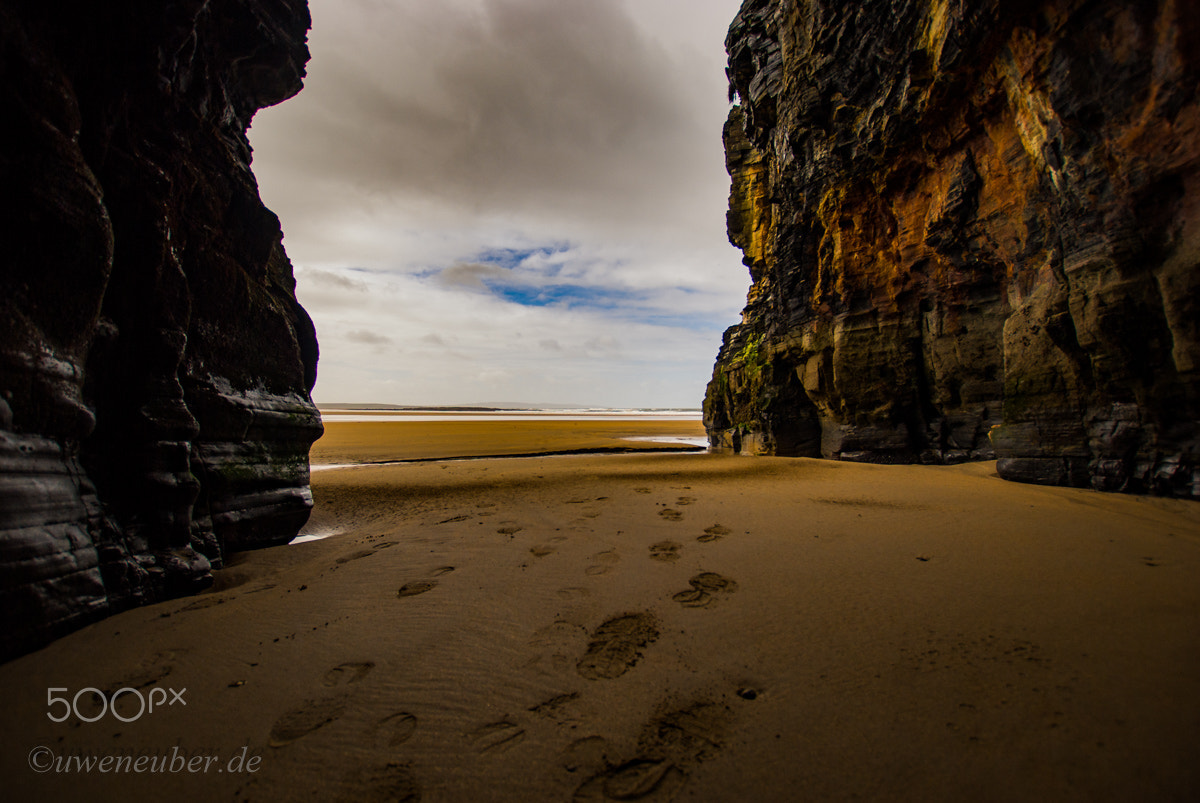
(662, 627)
(378, 441)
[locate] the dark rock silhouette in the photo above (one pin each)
(155, 366)
(972, 232)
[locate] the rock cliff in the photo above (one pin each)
(973, 231)
(155, 366)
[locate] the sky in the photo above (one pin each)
(509, 200)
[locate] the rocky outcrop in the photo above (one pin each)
(155, 366)
(973, 231)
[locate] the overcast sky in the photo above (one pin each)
(509, 200)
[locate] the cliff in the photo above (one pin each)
(973, 232)
(155, 366)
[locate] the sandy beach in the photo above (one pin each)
(474, 436)
(650, 627)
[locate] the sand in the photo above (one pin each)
(659, 627)
(372, 442)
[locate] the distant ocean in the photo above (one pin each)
(581, 414)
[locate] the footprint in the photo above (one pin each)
(573, 592)
(553, 708)
(510, 530)
(554, 633)
(393, 783)
(498, 737)
(665, 551)
(589, 751)
(671, 515)
(416, 587)
(714, 533)
(148, 673)
(201, 604)
(713, 582)
(304, 720)
(694, 733)
(705, 590)
(541, 550)
(440, 570)
(668, 745)
(685, 500)
(362, 553)
(616, 646)
(555, 646)
(395, 729)
(604, 562)
(345, 674)
(641, 779)
(693, 598)
(454, 519)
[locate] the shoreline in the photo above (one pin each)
(599, 450)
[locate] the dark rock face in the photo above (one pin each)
(973, 231)
(155, 366)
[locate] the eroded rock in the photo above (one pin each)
(155, 367)
(972, 232)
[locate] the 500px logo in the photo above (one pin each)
(133, 698)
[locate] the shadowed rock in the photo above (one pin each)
(155, 367)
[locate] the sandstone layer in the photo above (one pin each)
(155, 366)
(972, 232)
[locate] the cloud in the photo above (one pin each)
(461, 347)
(367, 337)
(540, 105)
(333, 279)
(602, 346)
(482, 178)
(469, 275)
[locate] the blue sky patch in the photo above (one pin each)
(563, 295)
(513, 257)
